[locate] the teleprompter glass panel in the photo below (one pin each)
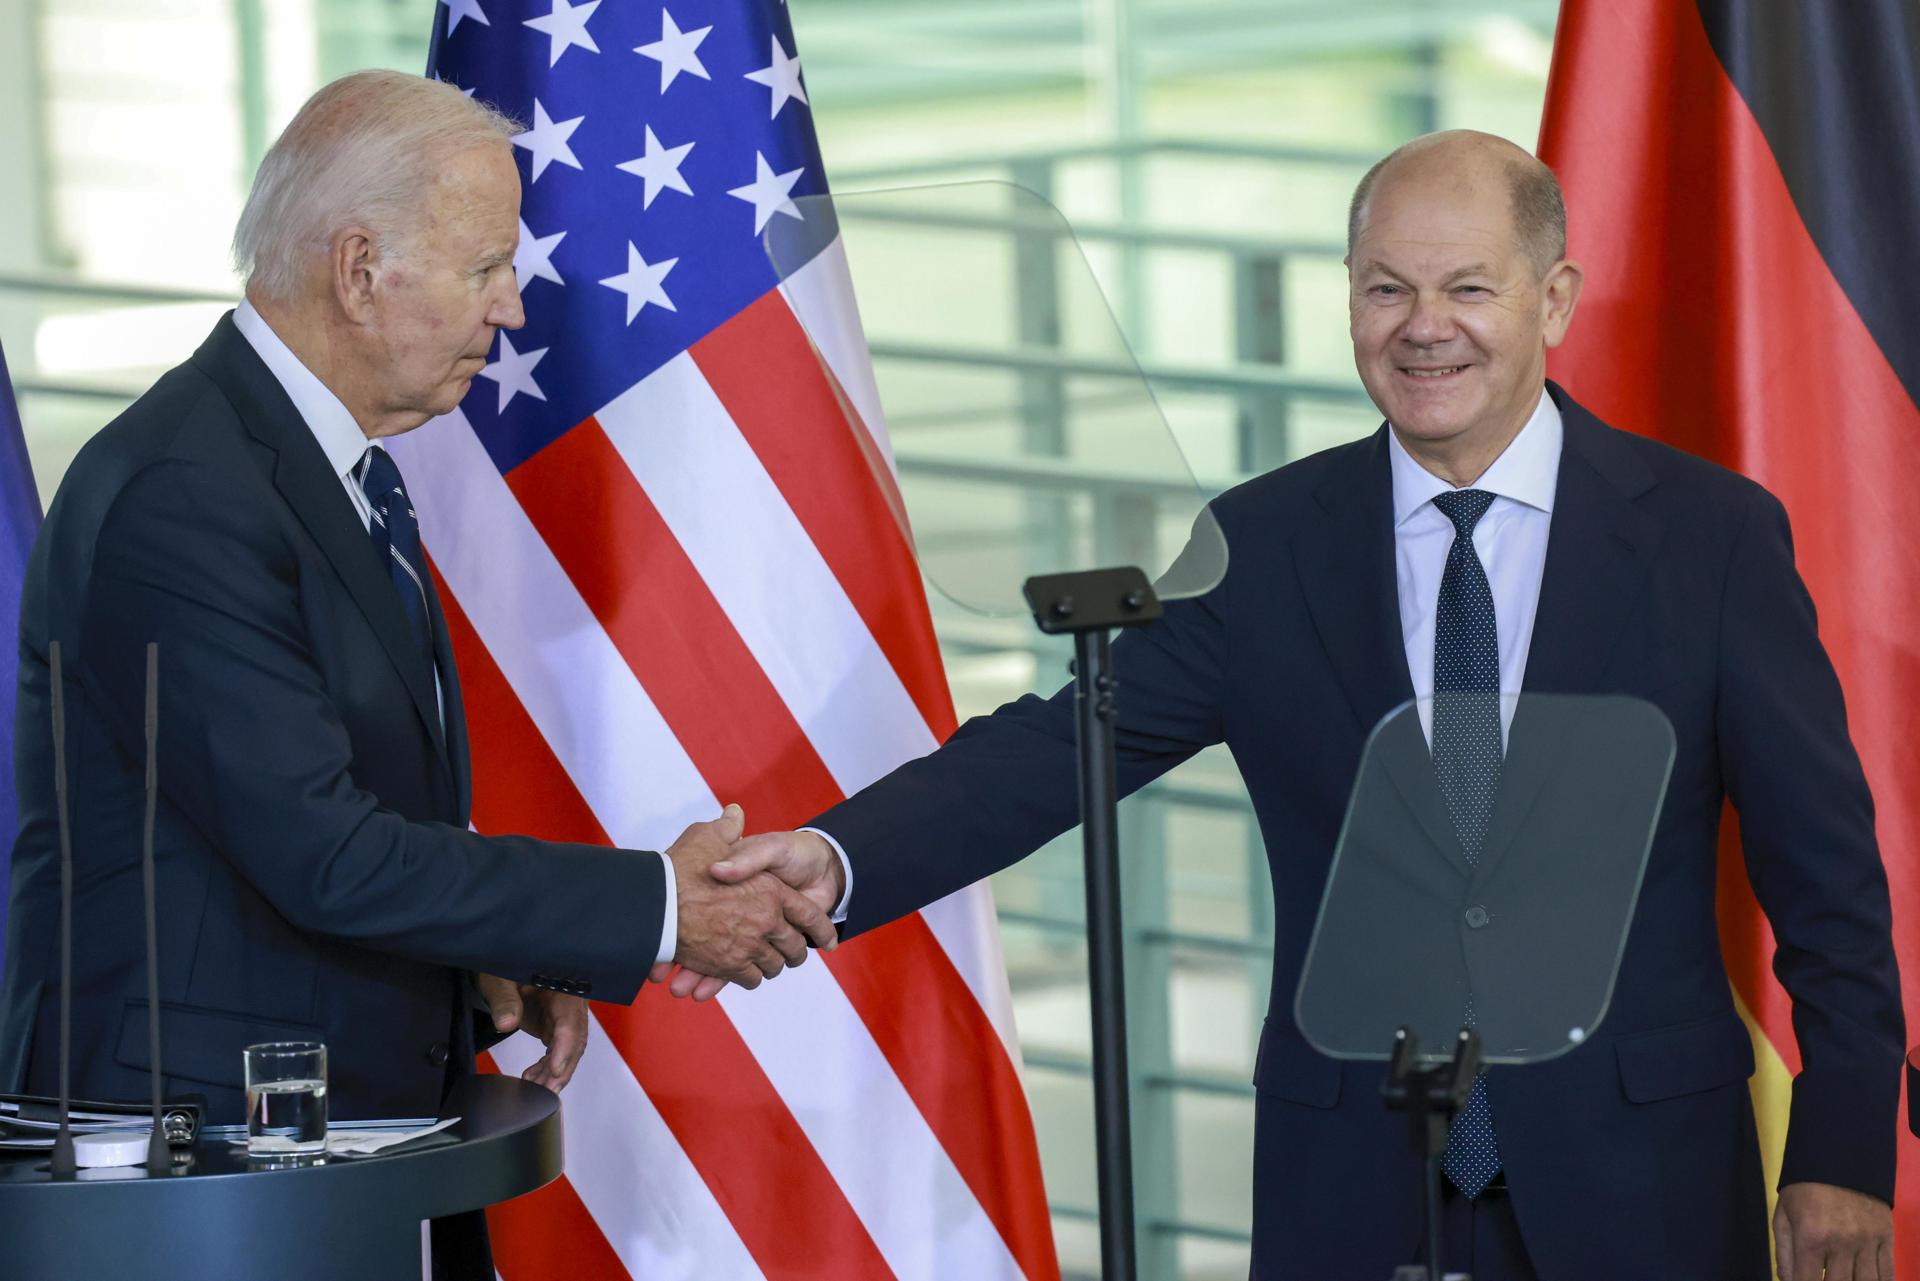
(1518, 931)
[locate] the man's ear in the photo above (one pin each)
(355, 266)
(1562, 288)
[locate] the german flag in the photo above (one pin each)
(1743, 188)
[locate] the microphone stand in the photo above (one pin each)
(159, 1159)
(63, 1162)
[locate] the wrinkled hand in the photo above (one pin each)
(803, 860)
(559, 1020)
(1823, 1231)
(741, 927)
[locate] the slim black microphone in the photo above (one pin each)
(63, 1163)
(159, 1160)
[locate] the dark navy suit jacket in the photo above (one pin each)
(317, 879)
(1666, 578)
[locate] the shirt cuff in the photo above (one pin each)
(846, 896)
(670, 927)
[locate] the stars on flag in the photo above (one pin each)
(769, 193)
(547, 140)
(782, 75)
(458, 9)
(660, 168)
(566, 27)
(674, 51)
(641, 283)
(514, 372)
(533, 257)
(688, 258)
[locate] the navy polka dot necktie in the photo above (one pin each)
(1466, 758)
(396, 539)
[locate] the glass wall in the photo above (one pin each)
(1205, 150)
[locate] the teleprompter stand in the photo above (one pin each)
(1089, 605)
(1430, 1095)
(1524, 939)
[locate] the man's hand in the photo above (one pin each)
(1821, 1231)
(560, 1021)
(804, 860)
(743, 927)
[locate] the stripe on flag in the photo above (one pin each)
(861, 539)
(683, 447)
(671, 632)
(557, 658)
(855, 1097)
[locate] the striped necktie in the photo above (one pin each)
(1466, 758)
(396, 539)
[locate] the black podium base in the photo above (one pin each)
(221, 1218)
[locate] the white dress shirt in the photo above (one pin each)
(1511, 540)
(344, 444)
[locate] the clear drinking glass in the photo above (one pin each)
(286, 1098)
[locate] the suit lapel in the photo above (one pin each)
(1345, 561)
(1346, 568)
(311, 489)
(1599, 547)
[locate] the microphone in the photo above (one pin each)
(159, 1160)
(64, 1164)
(64, 1161)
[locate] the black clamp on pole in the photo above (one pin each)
(1430, 1096)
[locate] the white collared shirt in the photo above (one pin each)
(344, 444)
(1511, 540)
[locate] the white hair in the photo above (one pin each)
(363, 150)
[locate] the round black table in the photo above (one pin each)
(346, 1219)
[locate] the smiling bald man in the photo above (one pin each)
(1611, 565)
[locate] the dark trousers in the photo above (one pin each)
(1483, 1237)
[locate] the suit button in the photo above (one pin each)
(1477, 916)
(437, 1054)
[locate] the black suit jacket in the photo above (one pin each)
(1667, 578)
(317, 879)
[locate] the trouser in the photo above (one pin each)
(1482, 1236)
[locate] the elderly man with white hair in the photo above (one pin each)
(317, 879)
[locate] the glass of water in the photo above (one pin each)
(286, 1098)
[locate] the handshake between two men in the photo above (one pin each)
(747, 907)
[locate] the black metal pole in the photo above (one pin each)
(64, 1160)
(1436, 1228)
(1099, 816)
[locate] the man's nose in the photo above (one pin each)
(506, 312)
(1429, 321)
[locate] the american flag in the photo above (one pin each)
(675, 579)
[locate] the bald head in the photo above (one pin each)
(1467, 158)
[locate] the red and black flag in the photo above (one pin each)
(1743, 188)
